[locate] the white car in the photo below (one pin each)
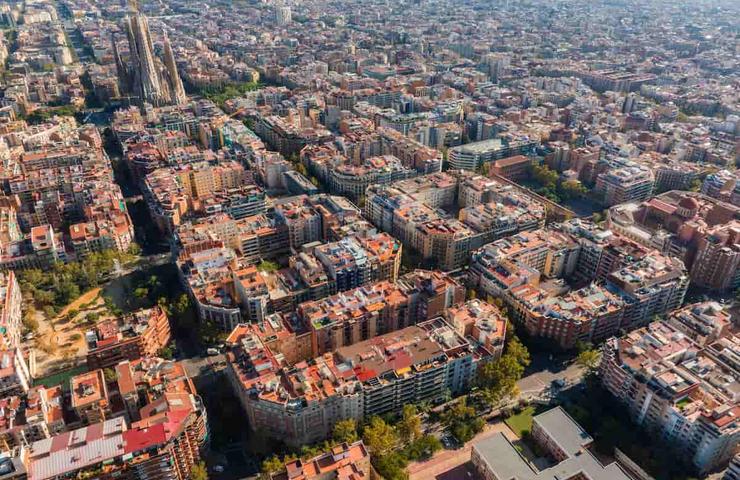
(212, 352)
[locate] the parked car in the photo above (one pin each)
(212, 352)
(450, 442)
(559, 383)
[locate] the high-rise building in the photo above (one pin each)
(178, 91)
(283, 15)
(147, 78)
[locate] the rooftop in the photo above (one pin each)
(503, 459)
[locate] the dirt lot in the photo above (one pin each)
(60, 342)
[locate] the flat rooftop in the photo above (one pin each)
(503, 459)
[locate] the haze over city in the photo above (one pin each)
(400, 240)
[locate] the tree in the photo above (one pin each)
(345, 431)
(268, 266)
(462, 422)
(423, 447)
(498, 378)
(67, 292)
(572, 189)
(29, 318)
(272, 465)
(181, 305)
(379, 437)
(141, 293)
(166, 352)
(543, 175)
(44, 297)
(134, 249)
(199, 472)
(392, 466)
(409, 428)
(518, 351)
(50, 311)
(110, 375)
(589, 359)
(485, 168)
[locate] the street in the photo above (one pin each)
(547, 371)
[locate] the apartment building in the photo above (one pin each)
(286, 135)
(652, 286)
(522, 259)
(591, 314)
(198, 189)
(412, 154)
(602, 251)
(528, 271)
(350, 461)
(514, 168)
(345, 262)
(352, 180)
(356, 315)
(410, 210)
(22, 421)
(45, 408)
(472, 155)
(165, 443)
(511, 214)
(10, 311)
(302, 220)
(140, 334)
(733, 471)
(89, 397)
(15, 377)
(717, 262)
(414, 364)
(481, 323)
(628, 183)
(302, 403)
(700, 230)
(704, 322)
(252, 293)
(670, 385)
(722, 185)
(207, 276)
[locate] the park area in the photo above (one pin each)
(64, 302)
(521, 423)
(60, 340)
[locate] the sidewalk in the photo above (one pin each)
(447, 460)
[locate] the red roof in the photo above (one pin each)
(138, 439)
